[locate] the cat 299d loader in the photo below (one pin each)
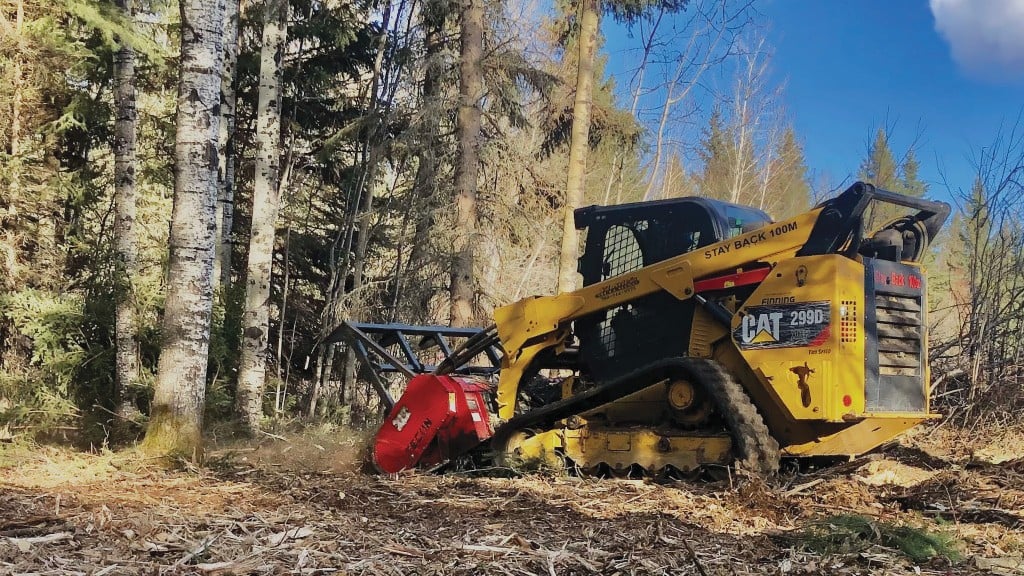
(705, 334)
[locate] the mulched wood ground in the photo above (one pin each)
(63, 512)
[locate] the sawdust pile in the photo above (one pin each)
(67, 513)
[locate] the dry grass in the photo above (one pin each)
(982, 441)
(295, 505)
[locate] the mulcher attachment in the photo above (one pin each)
(439, 418)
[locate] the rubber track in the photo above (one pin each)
(757, 451)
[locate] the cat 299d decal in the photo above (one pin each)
(784, 326)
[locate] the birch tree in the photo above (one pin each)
(10, 218)
(256, 318)
(751, 126)
(176, 417)
(126, 324)
(226, 165)
(713, 24)
(579, 143)
(589, 20)
(471, 85)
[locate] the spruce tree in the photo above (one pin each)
(788, 187)
(880, 169)
(716, 150)
(912, 185)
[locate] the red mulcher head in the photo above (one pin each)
(437, 419)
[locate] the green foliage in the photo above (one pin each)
(566, 27)
(58, 323)
(852, 533)
(770, 175)
(226, 330)
(881, 168)
(912, 184)
(629, 11)
(49, 328)
(53, 323)
(677, 182)
(113, 27)
(789, 177)
(715, 153)
(225, 350)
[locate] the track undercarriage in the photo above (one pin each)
(680, 415)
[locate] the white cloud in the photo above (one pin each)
(986, 36)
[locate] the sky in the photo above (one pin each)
(944, 75)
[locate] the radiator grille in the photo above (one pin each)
(894, 324)
(899, 335)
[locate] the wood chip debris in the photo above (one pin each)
(244, 519)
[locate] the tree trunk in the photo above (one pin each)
(279, 356)
(348, 379)
(226, 165)
(126, 326)
(659, 142)
(176, 418)
(432, 109)
(252, 374)
(10, 219)
(579, 143)
(16, 105)
(471, 85)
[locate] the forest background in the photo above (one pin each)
(193, 196)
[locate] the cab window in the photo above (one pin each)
(741, 220)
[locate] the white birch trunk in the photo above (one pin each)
(226, 165)
(16, 105)
(579, 144)
(10, 240)
(126, 326)
(176, 418)
(252, 375)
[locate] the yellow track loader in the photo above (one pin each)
(705, 334)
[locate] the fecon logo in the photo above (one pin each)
(757, 328)
(401, 419)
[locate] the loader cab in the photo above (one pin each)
(627, 237)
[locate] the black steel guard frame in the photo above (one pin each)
(370, 342)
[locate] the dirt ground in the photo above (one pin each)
(301, 506)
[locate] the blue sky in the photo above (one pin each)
(849, 67)
(944, 75)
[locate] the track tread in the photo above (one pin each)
(757, 451)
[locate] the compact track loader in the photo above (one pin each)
(705, 334)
